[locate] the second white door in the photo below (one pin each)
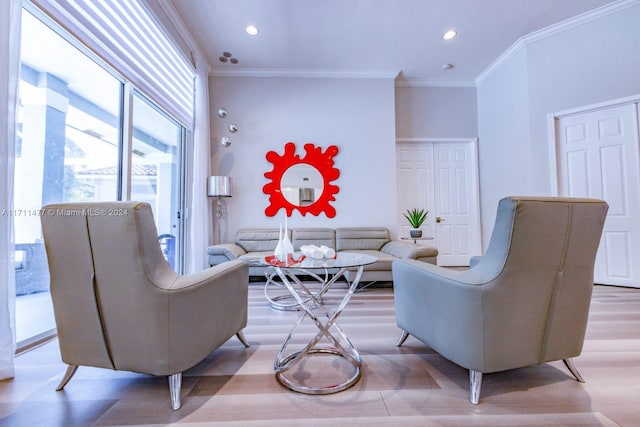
(598, 157)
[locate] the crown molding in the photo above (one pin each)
(341, 74)
(431, 139)
(434, 83)
(306, 73)
(552, 30)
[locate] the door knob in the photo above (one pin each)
(439, 220)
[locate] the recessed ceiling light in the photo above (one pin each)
(252, 30)
(449, 35)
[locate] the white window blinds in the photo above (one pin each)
(124, 34)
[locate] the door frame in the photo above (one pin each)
(473, 146)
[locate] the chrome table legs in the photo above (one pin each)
(330, 340)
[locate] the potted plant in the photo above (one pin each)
(416, 217)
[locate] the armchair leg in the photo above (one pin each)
(403, 338)
(475, 382)
(242, 339)
(71, 370)
(175, 384)
(572, 368)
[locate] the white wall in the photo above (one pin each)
(436, 112)
(357, 115)
(592, 62)
(588, 64)
(503, 144)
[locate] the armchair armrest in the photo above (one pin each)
(224, 252)
(402, 249)
(192, 299)
(208, 277)
(434, 304)
(474, 260)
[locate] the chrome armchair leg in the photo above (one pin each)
(572, 368)
(403, 338)
(475, 383)
(175, 384)
(242, 339)
(71, 370)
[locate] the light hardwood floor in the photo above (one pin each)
(406, 386)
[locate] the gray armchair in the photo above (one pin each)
(119, 305)
(525, 302)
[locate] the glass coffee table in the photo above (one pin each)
(293, 368)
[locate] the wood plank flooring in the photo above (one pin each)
(406, 386)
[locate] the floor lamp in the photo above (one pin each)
(219, 187)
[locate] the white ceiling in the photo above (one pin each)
(369, 36)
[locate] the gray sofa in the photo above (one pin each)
(253, 244)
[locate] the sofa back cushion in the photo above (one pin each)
(354, 238)
(313, 236)
(258, 239)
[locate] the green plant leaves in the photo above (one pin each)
(416, 216)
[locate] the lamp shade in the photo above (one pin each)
(219, 186)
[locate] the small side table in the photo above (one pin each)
(415, 240)
(289, 364)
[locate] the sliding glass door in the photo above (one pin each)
(73, 145)
(156, 171)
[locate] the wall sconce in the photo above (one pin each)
(218, 187)
(232, 128)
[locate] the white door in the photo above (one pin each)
(598, 157)
(415, 186)
(456, 200)
(442, 177)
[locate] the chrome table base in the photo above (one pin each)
(337, 344)
(285, 301)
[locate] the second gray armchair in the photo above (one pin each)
(525, 302)
(119, 305)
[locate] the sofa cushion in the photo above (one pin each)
(348, 238)
(256, 257)
(404, 249)
(228, 250)
(383, 263)
(258, 239)
(313, 236)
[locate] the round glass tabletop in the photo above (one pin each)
(342, 259)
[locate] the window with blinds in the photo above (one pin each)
(124, 34)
